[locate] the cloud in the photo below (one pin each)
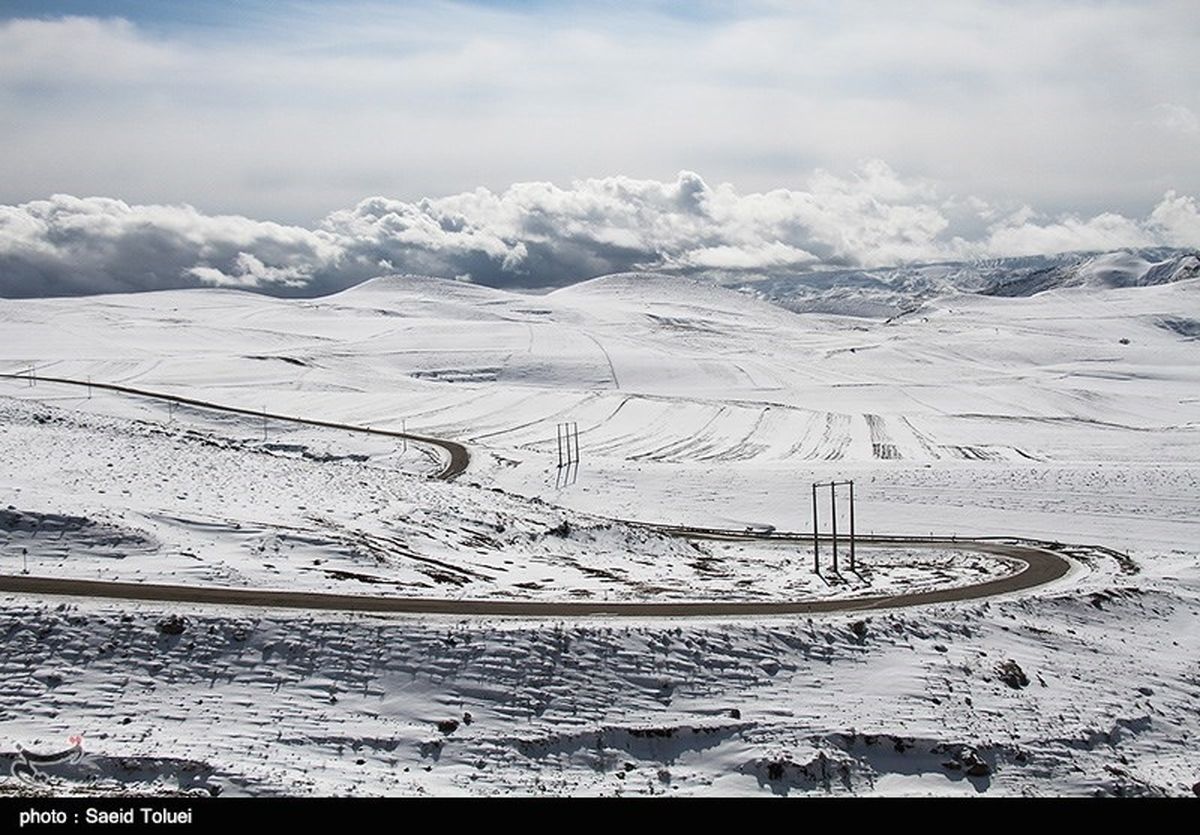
(292, 110)
(71, 246)
(538, 234)
(1178, 118)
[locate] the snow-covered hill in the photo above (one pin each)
(887, 292)
(1068, 415)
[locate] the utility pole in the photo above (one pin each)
(833, 513)
(832, 485)
(816, 546)
(852, 565)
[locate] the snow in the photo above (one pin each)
(1067, 416)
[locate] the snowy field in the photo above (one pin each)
(1069, 416)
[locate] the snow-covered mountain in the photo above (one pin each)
(888, 291)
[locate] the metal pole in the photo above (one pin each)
(816, 547)
(575, 426)
(558, 438)
(404, 431)
(833, 510)
(852, 566)
(264, 423)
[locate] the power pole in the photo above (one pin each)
(816, 546)
(833, 509)
(852, 565)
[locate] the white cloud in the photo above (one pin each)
(1178, 118)
(539, 234)
(297, 109)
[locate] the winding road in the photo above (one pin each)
(455, 466)
(1040, 564)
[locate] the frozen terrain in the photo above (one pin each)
(1067, 416)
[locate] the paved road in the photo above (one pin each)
(1040, 564)
(1041, 567)
(457, 464)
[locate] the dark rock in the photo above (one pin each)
(973, 764)
(734, 713)
(448, 726)
(172, 625)
(1010, 673)
(979, 769)
(859, 628)
(467, 719)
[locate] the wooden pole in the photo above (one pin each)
(833, 511)
(852, 564)
(816, 547)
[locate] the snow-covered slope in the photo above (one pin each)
(1069, 415)
(881, 293)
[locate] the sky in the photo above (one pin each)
(310, 144)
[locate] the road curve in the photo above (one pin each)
(456, 465)
(1041, 565)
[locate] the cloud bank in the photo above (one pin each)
(290, 110)
(536, 235)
